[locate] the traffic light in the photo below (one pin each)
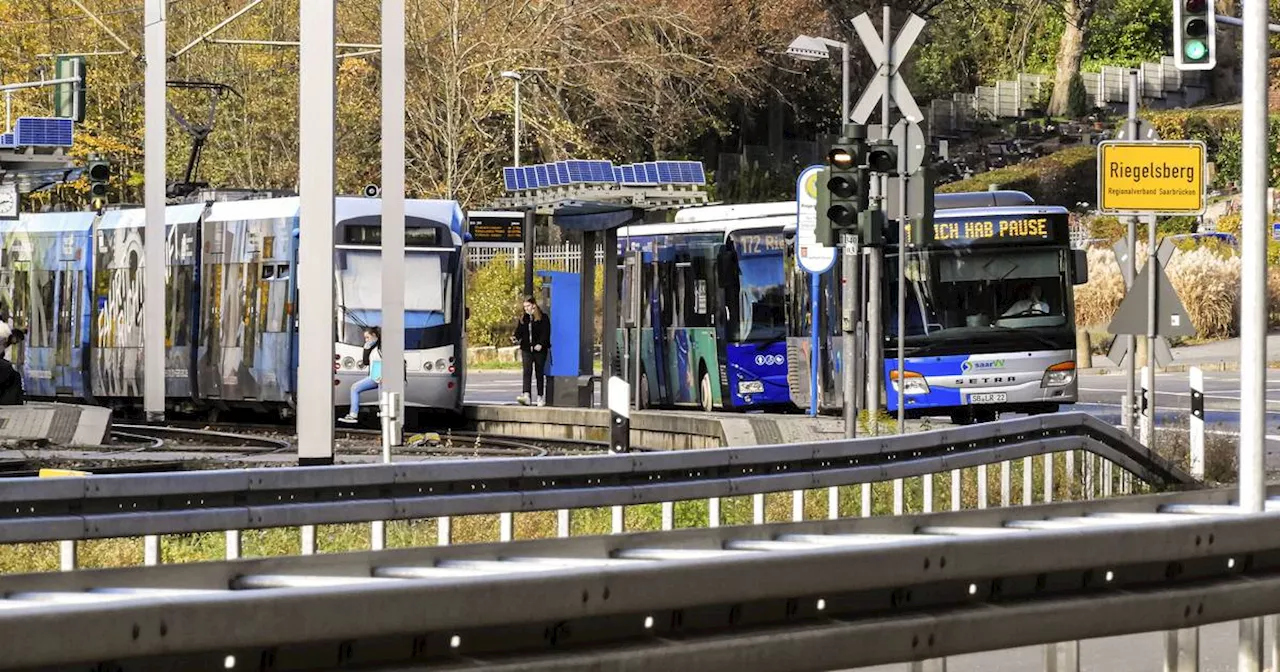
(842, 187)
(883, 157)
(99, 173)
(1194, 35)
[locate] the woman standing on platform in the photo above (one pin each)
(533, 335)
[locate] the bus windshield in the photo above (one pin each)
(761, 298)
(961, 294)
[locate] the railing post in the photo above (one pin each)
(757, 509)
(668, 516)
(982, 486)
(151, 550)
(308, 540)
(69, 558)
(1062, 657)
(619, 523)
(713, 512)
(797, 505)
(833, 503)
(1182, 650)
(1005, 483)
(444, 531)
(562, 523)
(1048, 477)
(1028, 483)
(235, 547)
(926, 485)
(955, 489)
(866, 500)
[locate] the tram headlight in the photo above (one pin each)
(1062, 373)
(426, 366)
(349, 363)
(913, 383)
(440, 364)
(751, 387)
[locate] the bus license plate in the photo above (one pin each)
(991, 398)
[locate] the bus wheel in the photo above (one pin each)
(704, 393)
(643, 393)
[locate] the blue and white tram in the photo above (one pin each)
(75, 282)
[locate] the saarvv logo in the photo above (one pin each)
(969, 365)
(770, 360)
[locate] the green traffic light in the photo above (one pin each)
(1195, 50)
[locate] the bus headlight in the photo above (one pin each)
(1062, 373)
(750, 387)
(913, 383)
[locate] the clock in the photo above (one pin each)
(9, 201)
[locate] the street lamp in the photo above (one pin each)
(515, 139)
(807, 48)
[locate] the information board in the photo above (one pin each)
(812, 256)
(1151, 178)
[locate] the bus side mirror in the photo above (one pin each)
(466, 313)
(1079, 266)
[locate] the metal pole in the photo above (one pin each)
(1253, 273)
(848, 302)
(528, 234)
(8, 110)
(1253, 290)
(315, 273)
(1130, 270)
(1153, 264)
(515, 133)
(154, 196)
(393, 217)
(844, 85)
(609, 339)
(815, 346)
(875, 340)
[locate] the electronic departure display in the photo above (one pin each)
(497, 228)
(1004, 229)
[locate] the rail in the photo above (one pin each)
(97, 507)
(789, 596)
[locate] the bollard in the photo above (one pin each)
(1197, 422)
(1146, 418)
(390, 406)
(619, 415)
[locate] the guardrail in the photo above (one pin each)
(70, 510)
(809, 595)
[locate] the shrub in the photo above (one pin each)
(1230, 224)
(1107, 228)
(1077, 97)
(1209, 286)
(493, 295)
(1098, 299)
(1062, 178)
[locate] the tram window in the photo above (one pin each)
(268, 271)
(282, 272)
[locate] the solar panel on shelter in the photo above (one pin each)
(509, 179)
(42, 132)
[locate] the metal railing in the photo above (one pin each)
(809, 595)
(150, 505)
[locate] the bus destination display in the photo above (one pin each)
(753, 244)
(995, 230)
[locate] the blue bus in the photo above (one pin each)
(712, 304)
(990, 319)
